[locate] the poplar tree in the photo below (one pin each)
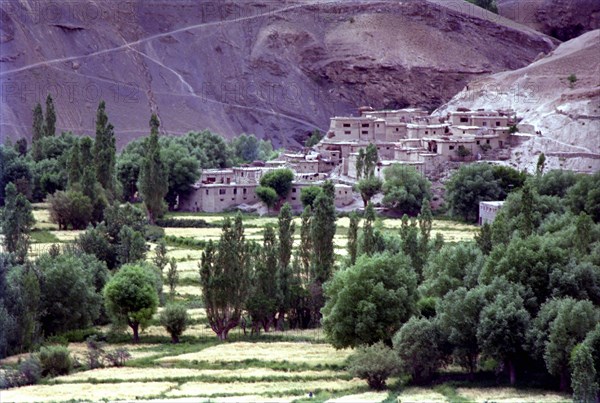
(323, 231)
(368, 245)
(50, 129)
(74, 174)
(224, 277)
(105, 150)
(284, 273)
(16, 220)
(152, 183)
(38, 132)
(305, 250)
(353, 237)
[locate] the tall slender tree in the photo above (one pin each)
(284, 274)
(153, 181)
(74, 173)
(105, 150)
(323, 232)
(305, 250)
(16, 221)
(224, 277)
(368, 244)
(38, 132)
(50, 126)
(353, 237)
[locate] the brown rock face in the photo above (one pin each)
(276, 69)
(561, 19)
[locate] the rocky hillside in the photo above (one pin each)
(276, 69)
(559, 117)
(562, 19)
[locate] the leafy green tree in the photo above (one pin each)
(153, 180)
(555, 183)
(458, 318)
(528, 262)
(502, 327)
(16, 219)
(484, 239)
(131, 297)
(174, 318)
(286, 228)
(405, 189)
(306, 243)
(50, 121)
(369, 301)
(224, 277)
(23, 302)
(183, 171)
(369, 242)
(71, 208)
(418, 345)
(247, 149)
(583, 376)
(509, 179)
(541, 164)
(322, 232)
(573, 320)
(585, 196)
(577, 280)
(105, 150)
(160, 259)
(583, 233)
(369, 187)
(366, 161)
(280, 180)
(38, 132)
(469, 186)
(315, 137)
(69, 299)
(375, 364)
(15, 169)
(452, 267)
(308, 195)
(263, 302)
(75, 167)
(172, 277)
(353, 237)
(268, 196)
(132, 246)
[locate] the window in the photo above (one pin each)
(207, 191)
(346, 124)
(347, 132)
(487, 142)
(464, 120)
(245, 191)
(365, 132)
(426, 131)
(484, 124)
(293, 190)
(234, 191)
(451, 147)
(365, 125)
(377, 124)
(222, 191)
(222, 199)
(293, 198)
(478, 142)
(396, 129)
(497, 123)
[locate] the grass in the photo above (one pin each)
(43, 236)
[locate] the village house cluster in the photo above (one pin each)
(409, 137)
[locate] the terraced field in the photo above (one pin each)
(272, 367)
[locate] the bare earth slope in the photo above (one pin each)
(568, 117)
(276, 69)
(562, 19)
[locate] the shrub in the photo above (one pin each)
(55, 360)
(175, 319)
(117, 358)
(374, 363)
(184, 223)
(30, 371)
(154, 233)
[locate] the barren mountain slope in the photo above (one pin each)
(567, 116)
(277, 69)
(562, 19)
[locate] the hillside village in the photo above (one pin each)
(409, 137)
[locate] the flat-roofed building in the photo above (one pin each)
(488, 211)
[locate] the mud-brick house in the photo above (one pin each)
(488, 211)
